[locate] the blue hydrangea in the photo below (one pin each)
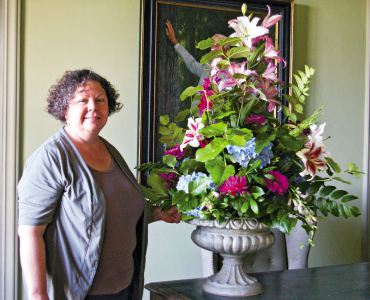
(265, 156)
(243, 155)
(197, 212)
(184, 180)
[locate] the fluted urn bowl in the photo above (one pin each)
(233, 240)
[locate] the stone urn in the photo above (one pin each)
(233, 240)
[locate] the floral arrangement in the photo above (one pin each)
(236, 158)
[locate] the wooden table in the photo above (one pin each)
(345, 282)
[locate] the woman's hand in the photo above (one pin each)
(171, 33)
(170, 215)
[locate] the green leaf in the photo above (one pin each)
(218, 171)
(298, 108)
(230, 41)
(338, 194)
(211, 150)
(190, 165)
(290, 142)
(169, 160)
(164, 130)
(326, 190)
(333, 164)
(152, 195)
(246, 110)
(179, 197)
(214, 129)
(244, 207)
(254, 206)
(190, 91)
(210, 56)
(238, 52)
(314, 187)
(257, 192)
(238, 136)
(348, 198)
(181, 115)
(223, 115)
(156, 182)
(198, 186)
(223, 64)
(164, 119)
(205, 44)
(299, 82)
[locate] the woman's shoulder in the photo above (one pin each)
(52, 149)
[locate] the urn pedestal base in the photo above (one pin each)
(233, 240)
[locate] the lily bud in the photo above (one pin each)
(244, 9)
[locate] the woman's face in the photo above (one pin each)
(88, 110)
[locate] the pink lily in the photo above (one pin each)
(313, 159)
(270, 72)
(269, 20)
(192, 136)
(269, 92)
(247, 29)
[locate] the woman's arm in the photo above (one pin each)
(32, 254)
(170, 215)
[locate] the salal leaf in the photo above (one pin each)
(164, 120)
(169, 160)
(218, 171)
(190, 165)
(238, 136)
(205, 44)
(181, 115)
(198, 186)
(230, 41)
(156, 182)
(190, 91)
(214, 129)
(211, 150)
(210, 56)
(238, 52)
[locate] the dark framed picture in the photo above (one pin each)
(164, 74)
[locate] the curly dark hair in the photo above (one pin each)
(63, 91)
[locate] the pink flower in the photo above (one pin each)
(279, 184)
(204, 103)
(256, 119)
(269, 20)
(271, 52)
(313, 159)
(313, 154)
(169, 179)
(175, 151)
(247, 29)
(269, 92)
(270, 72)
(207, 83)
(234, 185)
(225, 78)
(203, 143)
(192, 136)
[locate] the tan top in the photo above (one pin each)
(124, 206)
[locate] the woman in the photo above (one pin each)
(82, 222)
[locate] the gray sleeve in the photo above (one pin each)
(39, 189)
(191, 63)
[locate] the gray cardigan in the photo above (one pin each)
(58, 189)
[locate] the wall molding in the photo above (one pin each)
(365, 226)
(9, 151)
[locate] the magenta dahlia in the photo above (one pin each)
(234, 185)
(279, 184)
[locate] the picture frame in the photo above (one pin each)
(163, 76)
